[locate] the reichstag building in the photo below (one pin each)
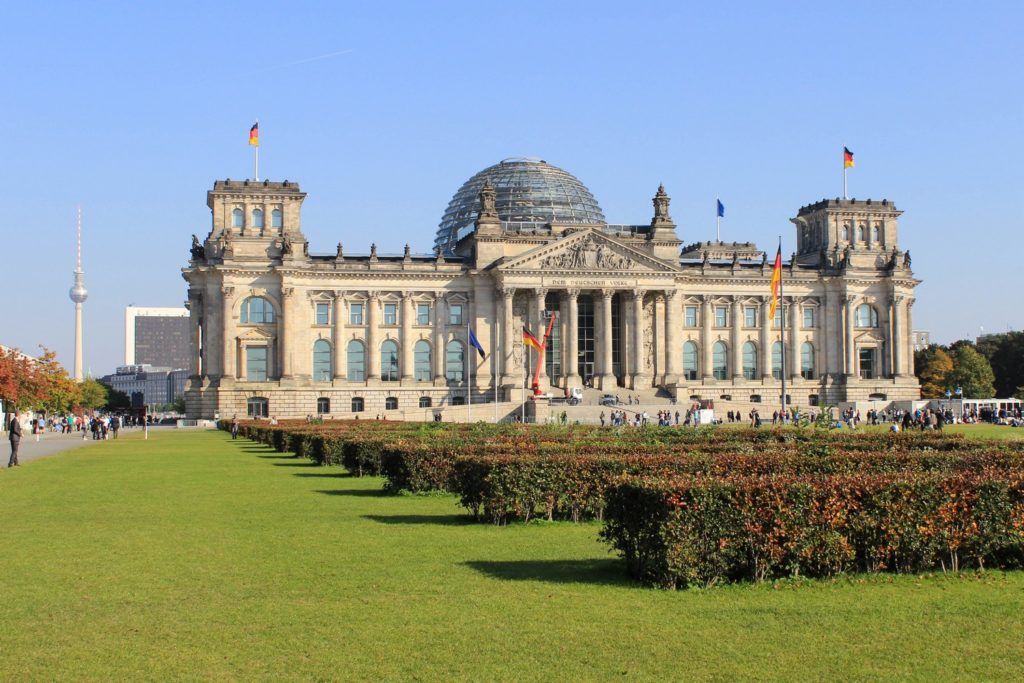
(279, 329)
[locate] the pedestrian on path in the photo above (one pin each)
(234, 427)
(14, 434)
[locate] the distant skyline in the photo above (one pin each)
(382, 112)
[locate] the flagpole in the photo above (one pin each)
(845, 196)
(256, 150)
(782, 337)
(718, 219)
(469, 385)
(494, 366)
(522, 386)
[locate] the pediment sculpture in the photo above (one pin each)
(587, 254)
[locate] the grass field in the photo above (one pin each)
(191, 556)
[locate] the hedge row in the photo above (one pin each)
(698, 531)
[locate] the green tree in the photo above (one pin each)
(933, 366)
(116, 400)
(1007, 358)
(94, 394)
(972, 373)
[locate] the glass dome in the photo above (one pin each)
(528, 191)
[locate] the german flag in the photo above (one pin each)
(776, 282)
(254, 135)
(530, 340)
(847, 158)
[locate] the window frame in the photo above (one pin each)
(357, 313)
(451, 374)
(350, 368)
(690, 318)
(750, 316)
(422, 370)
(389, 365)
(325, 306)
(721, 317)
(749, 368)
(323, 405)
(720, 371)
(253, 371)
(323, 367)
(691, 374)
(421, 319)
(453, 318)
(390, 315)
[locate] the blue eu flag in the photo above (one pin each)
(721, 208)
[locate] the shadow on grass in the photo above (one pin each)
(442, 520)
(604, 572)
(275, 456)
(359, 493)
(298, 463)
(330, 475)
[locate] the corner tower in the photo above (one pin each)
(850, 231)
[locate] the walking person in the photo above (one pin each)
(14, 434)
(234, 427)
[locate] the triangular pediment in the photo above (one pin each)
(587, 251)
(256, 334)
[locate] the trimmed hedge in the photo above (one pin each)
(698, 531)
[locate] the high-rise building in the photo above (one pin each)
(78, 294)
(921, 339)
(157, 337)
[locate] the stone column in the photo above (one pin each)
(339, 333)
(673, 328)
(706, 319)
(908, 328)
(607, 369)
(195, 315)
(735, 322)
(230, 345)
(766, 339)
(406, 360)
(658, 338)
(508, 336)
(794, 337)
(896, 340)
(640, 376)
(373, 336)
(572, 344)
(538, 308)
(850, 367)
(284, 346)
(440, 337)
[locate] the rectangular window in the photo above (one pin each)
(690, 316)
(256, 363)
(750, 316)
(355, 314)
(323, 314)
(867, 363)
(455, 314)
(422, 314)
(721, 316)
(808, 316)
(777, 322)
(390, 314)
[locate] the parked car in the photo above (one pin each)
(609, 400)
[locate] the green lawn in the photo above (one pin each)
(189, 556)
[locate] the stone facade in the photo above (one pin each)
(279, 330)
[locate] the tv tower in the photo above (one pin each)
(78, 294)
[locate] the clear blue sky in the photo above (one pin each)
(134, 109)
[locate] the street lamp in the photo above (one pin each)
(960, 396)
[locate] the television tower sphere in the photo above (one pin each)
(78, 292)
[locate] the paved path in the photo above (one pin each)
(48, 444)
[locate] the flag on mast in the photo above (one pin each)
(530, 340)
(721, 208)
(254, 134)
(847, 158)
(475, 343)
(776, 282)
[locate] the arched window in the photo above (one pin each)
(257, 218)
(276, 218)
(874, 234)
(846, 233)
(860, 234)
(391, 403)
(421, 361)
(749, 361)
(237, 219)
(357, 404)
(322, 370)
(256, 311)
(866, 316)
(356, 355)
(389, 361)
(720, 360)
(323, 406)
(257, 407)
(690, 361)
(777, 360)
(425, 402)
(455, 361)
(807, 360)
